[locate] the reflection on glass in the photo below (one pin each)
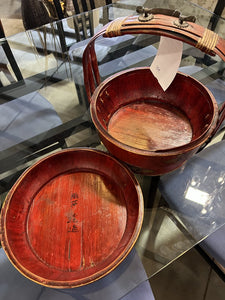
(197, 196)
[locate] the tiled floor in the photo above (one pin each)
(189, 277)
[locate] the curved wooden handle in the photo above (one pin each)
(163, 25)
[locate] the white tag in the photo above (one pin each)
(167, 61)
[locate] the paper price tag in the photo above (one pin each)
(167, 61)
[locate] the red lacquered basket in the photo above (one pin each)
(71, 218)
(153, 131)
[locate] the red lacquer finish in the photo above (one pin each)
(152, 131)
(71, 218)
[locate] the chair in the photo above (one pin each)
(26, 108)
(207, 167)
(25, 117)
(216, 14)
(36, 13)
(196, 192)
(83, 24)
(21, 120)
(111, 287)
(5, 50)
(84, 5)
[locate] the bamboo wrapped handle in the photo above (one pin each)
(160, 24)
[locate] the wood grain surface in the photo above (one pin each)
(71, 218)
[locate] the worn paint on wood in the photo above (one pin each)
(71, 218)
(152, 130)
(150, 126)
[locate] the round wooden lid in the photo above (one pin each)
(71, 218)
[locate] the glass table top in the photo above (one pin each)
(44, 71)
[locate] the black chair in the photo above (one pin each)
(36, 13)
(196, 193)
(83, 24)
(201, 176)
(23, 118)
(216, 14)
(84, 5)
(173, 187)
(5, 48)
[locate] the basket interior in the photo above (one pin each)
(134, 109)
(69, 220)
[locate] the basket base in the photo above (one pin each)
(150, 126)
(74, 211)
